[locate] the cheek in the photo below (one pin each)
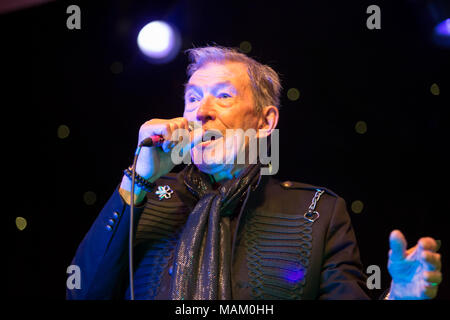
(248, 120)
(189, 115)
(247, 117)
(237, 118)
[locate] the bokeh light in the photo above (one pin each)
(361, 127)
(293, 94)
(116, 67)
(434, 89)
(357, 206)
(21, 223)
(159, 41)
(63, 131)
(89, 198)
(245, 47)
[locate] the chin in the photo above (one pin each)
(211, 165)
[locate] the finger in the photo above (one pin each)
(196, 136)
(175, 137)
(397, 242)
(427, 243)
(183, 123)
(434, 278)
(167, 134)
(412, 251)
(151, 128)
(167, 137)
(431, 259)
(167, 131)
(174, 133)
(146, 130)
(181, 131)
(174, 127)
(430, 292)
(438, 242)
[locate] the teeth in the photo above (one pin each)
(212, 135)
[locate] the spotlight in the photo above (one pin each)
(159, 41)
(441, 33)
(443, 28)
(433, 16)
(440, 14)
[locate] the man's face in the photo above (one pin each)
(219, 95)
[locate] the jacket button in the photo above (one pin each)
(115, 215)
(111, 222)
(108, 227)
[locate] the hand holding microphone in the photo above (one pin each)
(163, 131)
(158, 137)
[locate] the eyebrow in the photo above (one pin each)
(219, 85)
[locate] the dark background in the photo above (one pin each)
(345, 73)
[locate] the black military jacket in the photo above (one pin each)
(276, 252)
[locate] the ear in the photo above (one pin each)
(268, 121)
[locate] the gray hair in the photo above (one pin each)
(265, 82)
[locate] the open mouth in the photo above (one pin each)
(211, 136)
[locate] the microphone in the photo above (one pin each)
(157, 141)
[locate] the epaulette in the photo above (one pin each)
(292, 185)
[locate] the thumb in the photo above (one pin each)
(397, 243)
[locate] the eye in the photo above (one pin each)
(192, 99)
(223, 95)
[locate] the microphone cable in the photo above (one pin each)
(131, 235)
(148, 142)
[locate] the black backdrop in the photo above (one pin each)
(345, 73)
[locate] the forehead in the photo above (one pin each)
(213, 72)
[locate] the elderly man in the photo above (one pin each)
(221, 229)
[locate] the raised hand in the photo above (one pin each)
(416, 272)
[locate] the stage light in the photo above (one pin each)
(159, 41)
(441, 33)
(439, 13)
(443, 28)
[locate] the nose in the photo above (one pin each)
(206, 111)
